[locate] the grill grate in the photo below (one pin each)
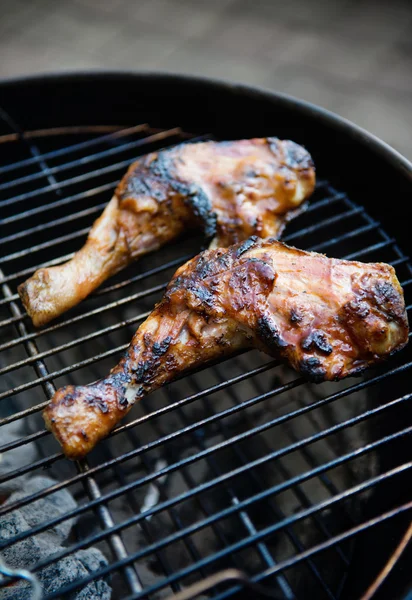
(251, 468)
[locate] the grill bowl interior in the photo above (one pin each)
(250, 466)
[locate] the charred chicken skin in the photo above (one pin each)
(327, 318)
(231, 190)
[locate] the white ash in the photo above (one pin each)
(46, 508)
(27, 553)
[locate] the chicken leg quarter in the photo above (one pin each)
(232, 190)
(327, 318)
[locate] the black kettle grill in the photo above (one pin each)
(241, 480)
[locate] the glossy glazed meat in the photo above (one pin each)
(231, 190)
(327, 318)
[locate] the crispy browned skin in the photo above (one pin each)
(327, 318)
(230, 189)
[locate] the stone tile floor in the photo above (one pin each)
(353, 57)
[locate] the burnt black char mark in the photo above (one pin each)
(247, 245)
(68, 399)
(376, 292)
(210, 263)
(205, 267)
(148, 180)
(295, 317)
(358, 308)
(199, 202)
(143, 371)
(317, 340)
(294, 156)
(160, 348)
(156, 176)
(139, 185)
(311, 368)
(101, 404)
(224, 262)
(205, 296)
(121, 379)
(387, 297)
(269, 334)
(193, 195)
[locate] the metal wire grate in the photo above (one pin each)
(241, 465)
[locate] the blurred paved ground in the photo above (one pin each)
(351, 56)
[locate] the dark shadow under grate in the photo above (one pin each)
(241, 465)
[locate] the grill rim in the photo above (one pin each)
(361, 135)
(286, 98)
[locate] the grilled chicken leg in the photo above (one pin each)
(231, 189)
(327, 318)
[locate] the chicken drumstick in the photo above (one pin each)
(328, 318)
(231, 189)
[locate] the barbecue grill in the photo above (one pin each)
(240, 480)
